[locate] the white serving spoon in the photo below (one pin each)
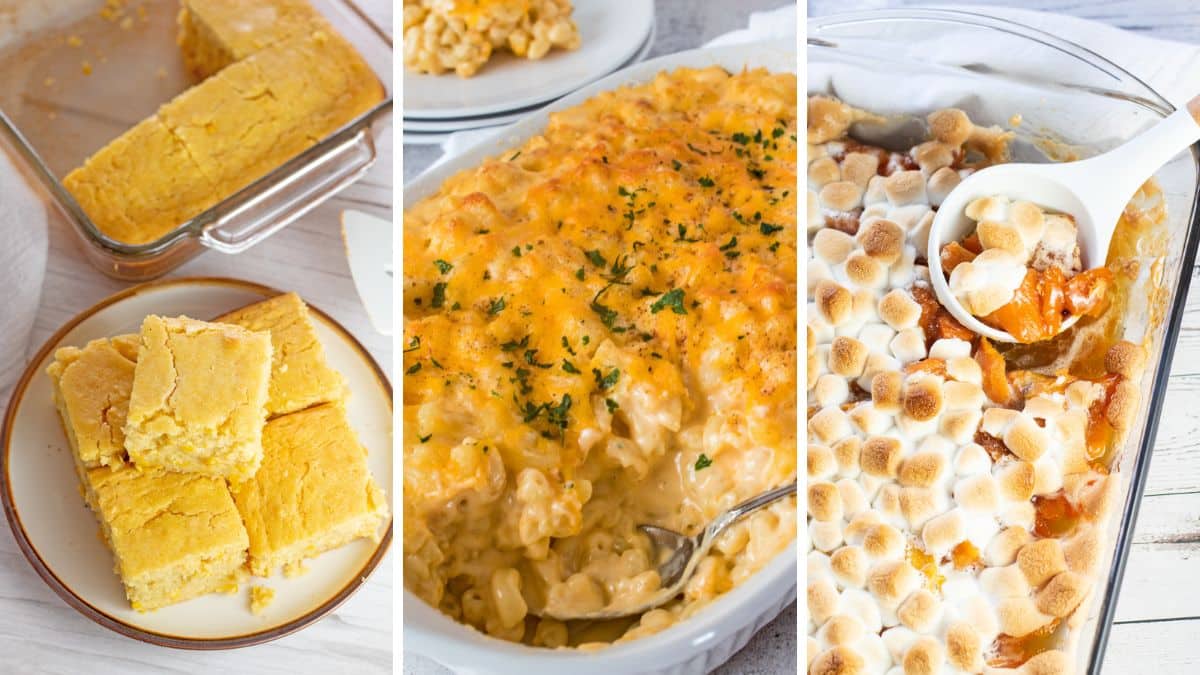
(1094, 191)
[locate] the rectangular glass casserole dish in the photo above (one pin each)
(75, 75)
(1071, 102)
(701, 642)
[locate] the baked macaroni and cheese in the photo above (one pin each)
(462, 35)
(1020, 270)
(957, 493)
(600, 331)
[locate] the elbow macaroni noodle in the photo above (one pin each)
(600, 330)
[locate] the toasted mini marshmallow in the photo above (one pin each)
(830, 425)
(971, 460)
(964, 647)
(822, 172)
(899, 310)
(881, 456)
(846, 452)
(847, 357)
(825, 535)
(979, 493)
(822, 600)
(820, 460)
(1002, 550)
(920, 611)
(933, 155)
(840, 660)
(891, 582)
(1040, 560)
(1025, 438)
(887, 388)
(876, 336)
(922, 397)
(908, 345)
(950, 126)
(831, 390)
(940, 184)
(1061, 595)
(841, 196)
(942, 533)
(988, 282)
(834, 303)
(865, 272)
(1058, 246)
(922, 469)
(833, 246)
(905, 187)
(849, 566)
(869, 420)
(860, 167)
(883, 240)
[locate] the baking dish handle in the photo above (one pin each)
(267, 206)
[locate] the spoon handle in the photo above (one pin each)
(749, 506)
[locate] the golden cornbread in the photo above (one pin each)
(91, 391)
(259, 112)
(198, 398)
(279, 80)
(173, 536)
(216, 33)
(300, 377)
(142, 185)
(312, 493)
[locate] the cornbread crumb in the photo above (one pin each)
(260, 598)
(198, 397)
(74, 41)
(295, 569)
(86, 67)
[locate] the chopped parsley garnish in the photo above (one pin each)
(730, 248)
(570, 367)
(777, 132)
(567, 346)
(586, 339)
(606, 382)
(413, 369)
(516, 251)
(595, 258)
(608, 315)
(696, 150)
(707, 182)
(768, 229)
(513, 345)
(531, 359)
(676, 165)
(496, 306)
(703, 462)
(443, 266)
(515, 155)
(424, 438)
(672, 299)
(414, 344)
(557, 414)
(612, 405)
(579, 274)
(439, 295)
(523, 380)
(773, 247)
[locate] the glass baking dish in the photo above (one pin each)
(76, 74)
(1071, 103)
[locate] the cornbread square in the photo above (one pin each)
(259, 112)
(174, 536)
(300, 377)
(216, 33)
(141, 185)
(313, 492)
(198, 398)
(91, 392)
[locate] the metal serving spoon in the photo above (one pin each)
(685, 554)
(1093, 190)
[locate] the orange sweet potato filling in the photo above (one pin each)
(1045, 299)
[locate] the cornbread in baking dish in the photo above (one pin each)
(198, 398)
(958, 494)
(300, 376)
(269, 99)
(600, 332)
(91, 392)
(313, 492)
(216, 33)
(173, 536)
(462, 35)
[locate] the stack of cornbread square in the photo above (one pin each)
(207, 449)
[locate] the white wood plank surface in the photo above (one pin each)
(39, 633)
(1158, 615)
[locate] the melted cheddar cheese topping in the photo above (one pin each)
(600, 332)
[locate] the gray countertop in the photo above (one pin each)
(681, 24)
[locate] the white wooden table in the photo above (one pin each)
(39, 633)
(680, 25)
(1157, 627)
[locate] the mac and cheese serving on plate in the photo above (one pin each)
(600, 333)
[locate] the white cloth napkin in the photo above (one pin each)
(775, 24)
(23, 249)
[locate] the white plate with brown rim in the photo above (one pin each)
(60, 537)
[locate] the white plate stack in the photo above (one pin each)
(506, 88)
